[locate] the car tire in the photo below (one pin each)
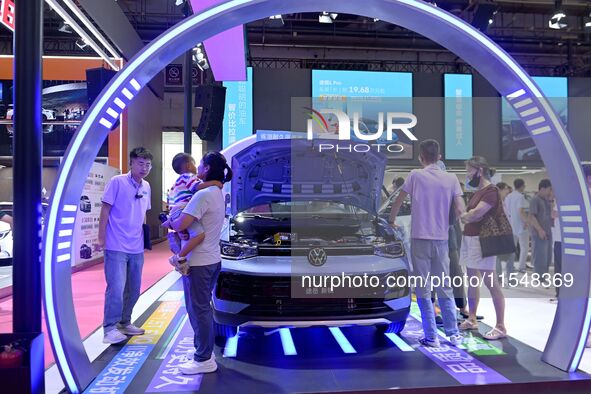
(394, 327)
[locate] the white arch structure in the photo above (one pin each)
(567, 339)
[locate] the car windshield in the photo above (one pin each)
(387, 205)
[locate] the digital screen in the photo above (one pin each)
(372, 95)
(517, 144)
(459, 133)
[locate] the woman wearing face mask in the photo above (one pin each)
(484, 202)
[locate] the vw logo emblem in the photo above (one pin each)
(317, 257)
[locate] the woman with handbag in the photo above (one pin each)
(487, 234)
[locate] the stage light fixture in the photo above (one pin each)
(81, 43)
(276, 21)
(326, 17)
(558, 20)
(484, 14)
(65, 28)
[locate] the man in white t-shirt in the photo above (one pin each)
(125, 202)
(434, 192)
(516, 209)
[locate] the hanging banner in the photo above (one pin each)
(238, 110)
(459, 133)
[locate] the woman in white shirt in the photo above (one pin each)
(206, 210)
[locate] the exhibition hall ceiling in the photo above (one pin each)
(520, 27)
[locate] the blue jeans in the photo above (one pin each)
(431, 258)
(123, 273)
(198, 286)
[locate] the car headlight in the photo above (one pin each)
(391, 250)
(237, 251)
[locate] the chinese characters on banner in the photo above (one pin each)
(169, 378)
(238, 111)
(124, 367)
(121, 370)
(7, 8)
(458, 116)
(87, 218)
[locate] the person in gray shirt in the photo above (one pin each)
(540, 219)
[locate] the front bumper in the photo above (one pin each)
(266, 301)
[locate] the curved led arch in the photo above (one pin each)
(567, 339)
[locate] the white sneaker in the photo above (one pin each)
(192, 351)
(456, 340)
(193, 367)
(130, 329)
(429, 343)
(114, 336)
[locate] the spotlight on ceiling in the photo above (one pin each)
(81, 43)
(558, 19)
(276, 20)
(65, 28)
(326, 17)
(198, 55)
(484, 14)
(203, 65)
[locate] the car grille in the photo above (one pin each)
(351, 250)
(271, 297)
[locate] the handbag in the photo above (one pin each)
(147, 240)
(496, 234)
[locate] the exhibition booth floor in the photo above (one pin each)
(322, 359)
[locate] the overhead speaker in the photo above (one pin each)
(212, 100)
(96, 80)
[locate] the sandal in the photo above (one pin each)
(468, 325)
(494, 334)
(465, 316)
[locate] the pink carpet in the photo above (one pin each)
(88, 288)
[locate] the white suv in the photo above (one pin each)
(6, 234)
(46, 114)
(296, 212)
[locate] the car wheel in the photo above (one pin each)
(394, 327)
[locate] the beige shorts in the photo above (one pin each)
(471, 255)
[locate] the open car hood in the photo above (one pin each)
(295, 170)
